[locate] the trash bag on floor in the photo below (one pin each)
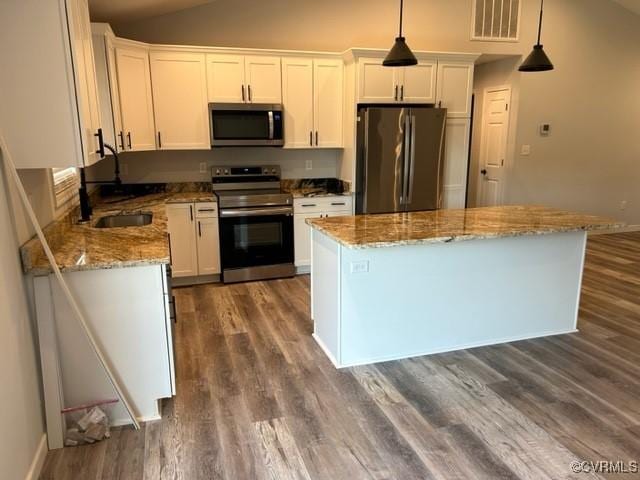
(91, 427)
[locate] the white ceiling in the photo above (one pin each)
(132, 10)
(633, 5)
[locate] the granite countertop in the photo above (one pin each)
(442, 226)
(315, 187)
(84, 247)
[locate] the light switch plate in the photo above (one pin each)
(361, 266)
(203, 167)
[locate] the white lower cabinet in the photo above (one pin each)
(193, 238)
(316, 207)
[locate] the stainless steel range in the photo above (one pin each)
(256, 223)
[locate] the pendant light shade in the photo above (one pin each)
(537, 61)
(400, 54)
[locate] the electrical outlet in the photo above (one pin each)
(525, 150)
(623, 205)
(125, 168)
(308, 164)
(203, 167)
(361, 266)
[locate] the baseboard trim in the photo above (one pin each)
(126, 421)
(189, 281)
(38, 459)
(625, 229)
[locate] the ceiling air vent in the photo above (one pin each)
(496, 20)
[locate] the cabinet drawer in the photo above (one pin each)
(322, 204)
(206, 210)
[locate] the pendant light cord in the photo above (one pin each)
(401, 2)
(539, 23)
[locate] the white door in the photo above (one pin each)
(225, 78)
(493, 145)
(454, 88)
(302, 238)
(136, 103)
(377, 84)
(327, 92)
(208, 245)
(418, 83)
(456, 160)
(180, 100)
(263, 79)
(182, 239)
(297, 98)
(86, 80)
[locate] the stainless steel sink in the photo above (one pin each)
(124, 220)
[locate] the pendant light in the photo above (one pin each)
(537, 61)
(400, 54)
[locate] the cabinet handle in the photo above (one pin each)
(395, 95)
(338, 203)
(206, 210)
(100, 150)
(129, 139)
(191, 212)
(121, 135)
(440, 104)
(243, 93)
(308, 205)
(199, 229)
(316, 138)
(249, 90)
(402, 92)
(310, 137)
(159, 140)
(170, 256)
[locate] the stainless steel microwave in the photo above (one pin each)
(246, 124)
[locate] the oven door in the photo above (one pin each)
(256, 237)
(234, 125)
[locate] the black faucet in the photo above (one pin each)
(85, 204)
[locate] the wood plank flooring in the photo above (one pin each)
(257, 399)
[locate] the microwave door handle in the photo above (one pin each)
(270, 115)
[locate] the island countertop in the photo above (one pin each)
(442, 226)
(84, 247)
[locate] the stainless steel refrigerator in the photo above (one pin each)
(400, 156)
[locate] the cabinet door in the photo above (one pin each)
(418, 83)
(208, 243)
(377, 84)
(85, 76)
(327, 92)
(115, 96)
(225, 78)
(454, 87)
(456, 161)
(179, 83)
(182, 240)
(298, 101)
(302, 238)
(136, 105)
(263, 79)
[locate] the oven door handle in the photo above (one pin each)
(254, 212)
(271, 128)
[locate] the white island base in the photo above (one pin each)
(377, 304)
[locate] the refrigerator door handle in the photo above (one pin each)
(412, 157)
(365, 154)
(405, 167)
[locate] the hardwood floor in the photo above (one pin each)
(257, 399)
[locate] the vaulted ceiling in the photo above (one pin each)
(132, 10)
(633, 5)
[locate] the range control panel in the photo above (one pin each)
(240, 172)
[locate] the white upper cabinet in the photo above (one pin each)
(327, 98)
(179, 83)
(136, 102)
(455, 85)
(243, 79)
(379, 84)
(85, 76)
(418, 83)
(312, 97)
(298, 101)
(50, 109)
(225, 78)
(263, 79)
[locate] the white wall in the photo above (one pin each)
(21, 411)
(590, 161)
(184, 166)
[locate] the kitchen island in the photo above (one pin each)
(393, 286)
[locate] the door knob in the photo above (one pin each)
(483, 171)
